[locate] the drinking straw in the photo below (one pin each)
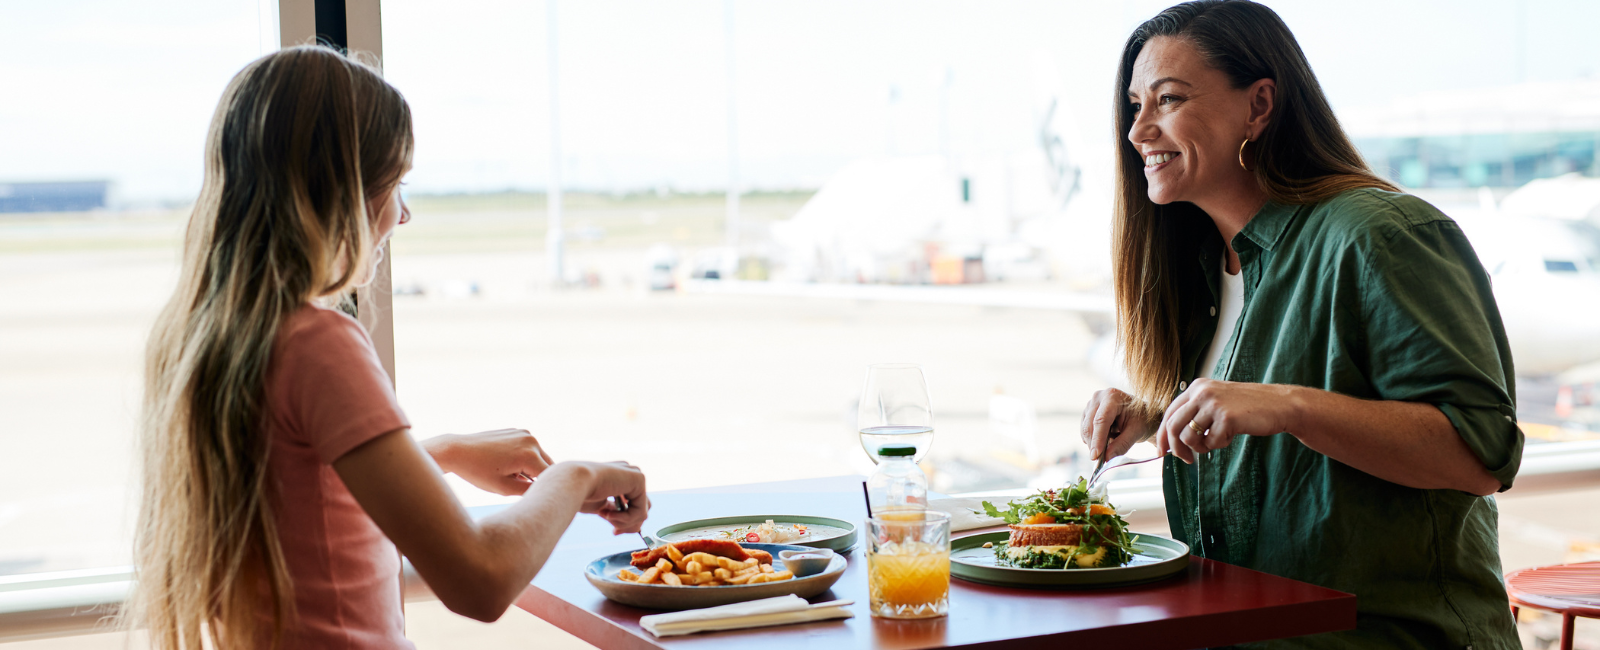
(866, 498)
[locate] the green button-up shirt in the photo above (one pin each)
(1374, 295)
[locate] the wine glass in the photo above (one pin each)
(894, 409)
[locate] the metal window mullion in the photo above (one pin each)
(363, 33)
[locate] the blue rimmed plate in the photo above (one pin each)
(602, 573)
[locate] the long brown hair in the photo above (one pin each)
(301, 141)
(1302, 157)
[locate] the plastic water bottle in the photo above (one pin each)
(898, 484)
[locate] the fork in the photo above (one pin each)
(1121, 461)
(620, 504)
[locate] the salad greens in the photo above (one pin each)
(1102, 527)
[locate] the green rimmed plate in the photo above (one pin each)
(842, 539)
(1155, 557)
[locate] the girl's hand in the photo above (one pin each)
(502, 462)
(1110, 410)
(621, 480)
(1221, 410)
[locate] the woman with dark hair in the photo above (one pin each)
(1320, 352)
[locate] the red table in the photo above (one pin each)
(1212, 604)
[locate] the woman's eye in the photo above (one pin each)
(1168, 99)
(1134, 108)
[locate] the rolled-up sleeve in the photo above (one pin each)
(1434, 335)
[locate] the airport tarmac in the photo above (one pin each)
(696, 389)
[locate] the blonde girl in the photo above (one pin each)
(281, 483)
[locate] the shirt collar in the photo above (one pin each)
(1267, 227)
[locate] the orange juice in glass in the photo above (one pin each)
(908, 564)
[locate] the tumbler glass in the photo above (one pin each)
(908, 564)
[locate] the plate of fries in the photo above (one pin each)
(698, 579)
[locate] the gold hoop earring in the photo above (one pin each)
(1241, 153)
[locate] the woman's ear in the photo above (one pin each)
(1263, 95)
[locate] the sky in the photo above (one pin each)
(124, 91)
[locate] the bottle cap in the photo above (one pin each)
(897, 450)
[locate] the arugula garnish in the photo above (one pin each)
(1010, 515)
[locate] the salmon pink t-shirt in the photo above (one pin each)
(327, 394)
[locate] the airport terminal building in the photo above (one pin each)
(1490, 137)
(68, 196)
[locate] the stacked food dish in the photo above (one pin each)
(1069, 528)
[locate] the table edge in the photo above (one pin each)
(564, 616)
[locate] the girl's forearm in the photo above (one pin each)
(477, 568)
(1407, 443)
(521, 537)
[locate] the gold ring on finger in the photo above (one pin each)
(1196, 428)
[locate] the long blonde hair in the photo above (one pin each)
(1302, 157)
(301, 141)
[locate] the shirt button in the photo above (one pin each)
(1213, 311)
(1183, 385)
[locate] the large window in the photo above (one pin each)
(632, 356)
(920, 146)
(102, 126)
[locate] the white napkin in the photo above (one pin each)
(961, 512)
(782, 610)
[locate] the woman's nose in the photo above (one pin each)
(1143, 130)
(405, 212)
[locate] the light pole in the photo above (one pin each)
(733, 130)
(553, 240)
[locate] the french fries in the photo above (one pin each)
(704, 570)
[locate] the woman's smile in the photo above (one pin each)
(1157, 160)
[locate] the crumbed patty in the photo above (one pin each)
(719, 547)
(1048, 534)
